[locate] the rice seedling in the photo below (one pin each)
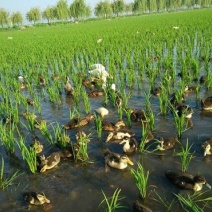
(74, 113)
(86, 101)
(128, 115)
(185, 156)
(45, 131)
(98, 124)
(37, 101)
(7, 137)
(7, 181)
(141, 179)
(28, 155)
(164, 101)
(112, 203)
(167, 204)
(191, 202)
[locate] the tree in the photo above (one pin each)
(4, 17)
(34, 15)
(129, 8)
(62, 10)
(103, 9)
(17, 18)
(118, 6)
(49, 14)
(79, 9)
(140, 6)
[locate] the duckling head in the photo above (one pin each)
(199, 181)
(125, 159)
(207, 148)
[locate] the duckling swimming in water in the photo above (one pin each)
(206, 104)
(68, 87)
(138, 115)
(35, 198)
(116, 160)
(36, 145)
(119, 135)
(207, 147)
(130, 145)
(187, 181)
(78, 122)
(102, 111)
(167, 143)
(109, 126)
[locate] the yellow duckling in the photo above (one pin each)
(35, 198)
(102, 111)
(109, 126)
(68, 87)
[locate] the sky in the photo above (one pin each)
(24, 6)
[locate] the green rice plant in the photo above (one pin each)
(208, 82)
(37, 101)
(164, 101)
(141, 179)
(190, 202)
(7, 137)
(125, 98)
(86, 101)
(54, 95)
(45, 131)
(185, 156)
(120, 112)
(128, 115)
(82, 145)
(61, 136)
(74, 113)
(106, 98)
(98, 124)
(6, 182)
(143, 142)
(112, 203)
(168, 205)
(28, 155)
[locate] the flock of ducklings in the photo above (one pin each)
(120, 134)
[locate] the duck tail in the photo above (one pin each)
(170, 175)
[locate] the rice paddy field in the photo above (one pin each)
(168, 51)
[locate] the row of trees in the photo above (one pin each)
(78, 10)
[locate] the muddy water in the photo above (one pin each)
(78, 187)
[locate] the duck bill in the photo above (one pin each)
(205, 153)
(130, 162)
(208, 185)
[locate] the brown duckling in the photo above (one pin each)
(30, 101)
(138, 115)
(130, 144)
(96, 93)
(35, 198)
(36, 145)
(78, 122)
(206, 103)
(207, 147)
(189, 89)
(109, 126)
(156, 91)
(116, 160)
(184, 110)
(187, 181)
(42, 81)
(167, 143)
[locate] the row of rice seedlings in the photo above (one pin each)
(54, 95)
(185, 156)
(112, 203)
(164, 101)
(28, 155)
(45, 132)
(87, 105)
(7, 181)
(128, 115)
(141, 179)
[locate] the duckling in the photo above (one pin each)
(116, 160)
(23, 85)
(102, 111)
(130, 145)
(167, 143)
(189, 89)
(96, 93)
(138, 115)
(187, 181)
(207, 147)
(35, 198)
(49, 162)
(30, 101)
(29, 115)
(36, 145)
(68, 87)
(119, 135)
(156, 91)
(174, 101)
(109, 126)
(42, 81)
(202, 79)
(78, 122)
(183, 109)
(206, 104)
